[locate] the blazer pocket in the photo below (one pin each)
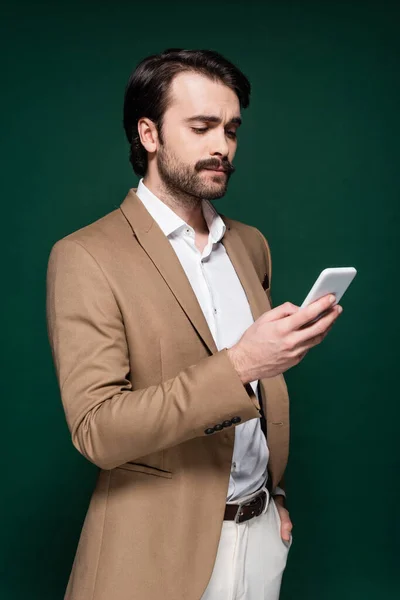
(139, 468)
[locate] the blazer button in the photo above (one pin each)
(226, 423)
(209, 430)
(218, 427)
(236, 420)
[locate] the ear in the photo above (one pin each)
(148, 134)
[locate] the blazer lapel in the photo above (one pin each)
(245, 270)
(271, 389)
(160, 251)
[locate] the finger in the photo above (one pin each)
(302, 355)
(286, 523)
(311, 312)
(314, 334)
(318, 339)
(285, 536)
(327, 330)
(286, 530)
(280, 312)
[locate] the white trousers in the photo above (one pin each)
(250, 560)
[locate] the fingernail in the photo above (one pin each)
(340, 310)
(332, 299)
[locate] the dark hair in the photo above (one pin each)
(146, 94)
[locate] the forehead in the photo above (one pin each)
(194, 94)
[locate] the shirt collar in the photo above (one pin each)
(169, 222)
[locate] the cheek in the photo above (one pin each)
(193, 147)
(232, 150)
(179, 144)
(190, 138)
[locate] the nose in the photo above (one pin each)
(219, 144)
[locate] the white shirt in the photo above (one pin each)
(227, 312)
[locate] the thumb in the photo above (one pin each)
(286, 530)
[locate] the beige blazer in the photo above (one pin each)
(141, 380)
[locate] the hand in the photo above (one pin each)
(280, 338)
(286, 523)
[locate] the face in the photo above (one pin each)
(199, 137)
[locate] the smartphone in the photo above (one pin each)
(330, 281)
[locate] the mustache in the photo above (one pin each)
(214, 163)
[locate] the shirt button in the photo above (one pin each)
(233, 466)
(215, 311)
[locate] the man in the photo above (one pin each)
(170, 358)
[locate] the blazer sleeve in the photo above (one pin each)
(110, 422)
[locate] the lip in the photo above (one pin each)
(217, 170)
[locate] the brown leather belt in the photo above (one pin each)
(248, 510)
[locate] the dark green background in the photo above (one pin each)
(317, 172)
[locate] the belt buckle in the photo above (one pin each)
(262, 495)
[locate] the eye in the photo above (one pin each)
(232, 134)
(200, 130)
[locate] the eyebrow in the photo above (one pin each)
(212, 119)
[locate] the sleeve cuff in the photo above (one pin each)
(279, 492)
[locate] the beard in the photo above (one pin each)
(182, 179)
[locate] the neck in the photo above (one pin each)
(187, 207)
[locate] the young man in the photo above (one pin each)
(170, 358)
